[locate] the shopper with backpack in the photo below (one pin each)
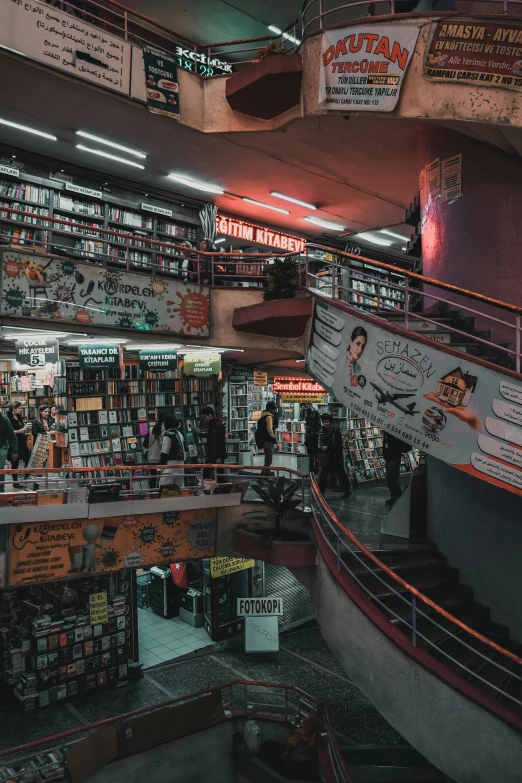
(172, 453)
(392, 451)
(265, 434)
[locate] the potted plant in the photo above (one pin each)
(282, 279)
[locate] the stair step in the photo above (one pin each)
(401, 565)
(393, 775)
(422, 585)
(472, 617)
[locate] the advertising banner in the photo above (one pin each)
(202, 365)
(57, 550)
(363, 67)
(156, 360)
(467, 51)
(456, 411)
(221, 566)
(36, 352)
(161, 81)
(66, 42)
(260, 378)
(57, 288)
(97, 356)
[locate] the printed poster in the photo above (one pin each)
(161, 81)
(463, 51)
(364, 66)
(454, 410)
(40, 552)
(50, 288)
(452, 178)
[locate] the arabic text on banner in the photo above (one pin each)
(449, 407)
(363, 67)
(161, 81)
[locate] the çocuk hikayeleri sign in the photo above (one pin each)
(449, 407)
(36, 352)
(363, 67)
(58, 288)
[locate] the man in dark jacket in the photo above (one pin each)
(7, 441)
(216, 443)
(332, 457)
(265, 435)
(312, 419)
(392, 450)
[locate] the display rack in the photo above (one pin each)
(364, 444)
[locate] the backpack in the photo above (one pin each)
(261, 433)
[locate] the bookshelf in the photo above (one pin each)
(364, 444)
(238, 420)
(109, 208)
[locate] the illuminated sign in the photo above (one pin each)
(233, 227)
(304, 386)
(198, 62)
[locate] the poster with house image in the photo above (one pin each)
(450, 407)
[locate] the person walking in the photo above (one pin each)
(8, 442)
(312, 420)
(392, 451)
(265, 434)
(216, 443)
(172, 452)
(21, 430)
(332, 457)
(152, 449)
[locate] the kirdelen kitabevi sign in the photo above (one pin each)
(460, 412)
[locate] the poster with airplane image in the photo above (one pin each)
(453, 409)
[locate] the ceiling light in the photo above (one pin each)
(113, 144)
(192, 183)
(220, 241)
(288, 37)
(31, 329)
(370, 238)
(392, 234)
(293, 200)
(151, 347)
(95, 341)
(325, 223)
(297, 361)
(108, 155)
(266, 206)
(28, 130)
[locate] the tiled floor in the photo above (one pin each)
(162, 640)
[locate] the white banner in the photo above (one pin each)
(51, 288)
(449, 407)
(66, 42)
(363, 66)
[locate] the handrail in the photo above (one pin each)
(181, 466)
(398, 579)
(303, 698)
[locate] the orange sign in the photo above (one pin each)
(46, 551)
(260, 235)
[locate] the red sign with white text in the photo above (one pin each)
(260, 235)
(297, 386)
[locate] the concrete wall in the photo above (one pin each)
(464, 741)
(479, 529)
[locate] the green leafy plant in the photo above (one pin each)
(304, 740)
(279, 498)
(282, 279)
(269, 51)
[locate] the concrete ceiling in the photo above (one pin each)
(361, 173)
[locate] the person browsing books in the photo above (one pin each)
(21, 430)
(265, 434)
(172, 452)
(8, 442)
(41, 425)
(152, 447)
(216, 443)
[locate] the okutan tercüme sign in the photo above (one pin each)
(261, 235)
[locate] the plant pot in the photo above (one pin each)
(286, 548)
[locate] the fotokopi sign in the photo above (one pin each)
(57, 288)
(363, 67)
(464, 51)
(459, 412)
(58, 550)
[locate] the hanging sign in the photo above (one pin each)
(37, 352)
(221, 566)
(156, 210)
(303, 386)
(97, 356)
(455, 410)
(259, 607)
(158, 360)
(197, 62)
(82, 191)
(99, 297)
(260, 235)
(202, 365)
(260, 379)
(9, 170)
(76, 547)
(98, 609)
(486, 54)
(161, 81)
(363, 67)
(60, 40)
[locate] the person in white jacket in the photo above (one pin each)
(172, 452)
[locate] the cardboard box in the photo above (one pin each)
(51, 497)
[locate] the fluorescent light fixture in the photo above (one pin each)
(113, 144)
(95, 341)
(266, 206)
(288, 37)
(103, 154)
(206, 187)
(325, 223)
(220, 241)
(367, 237)
(293, 200)
(30, 329)
(392, 234)
(28, 130)
(297, 361)
(151, 347)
